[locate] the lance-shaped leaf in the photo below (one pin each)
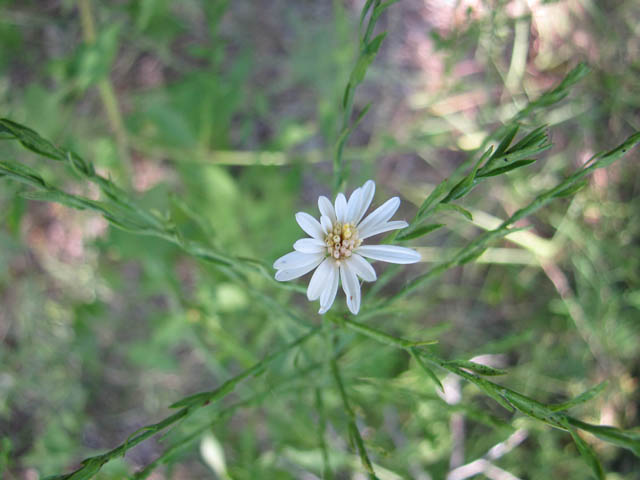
(477, 368)
(30, 139)
(586, 451)
(580, 399)
(22, 173)
(419, 232)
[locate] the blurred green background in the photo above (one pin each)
(225, 114)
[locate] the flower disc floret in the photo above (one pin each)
(341, 240)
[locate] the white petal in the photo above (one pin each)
(366, 196)
(341, 207)
(310, 225)
(353, 205)
(362, 268)
(325, 221)
(291, 273)
(326, 208)
(319, 280)
(351, 287)
(310, 245)
(330, 291)
(389, 253)
(381, 214)
(296, 260)
(370, 231)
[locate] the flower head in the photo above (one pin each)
(336, 247)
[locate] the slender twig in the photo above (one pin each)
(107, 92)
(353, 426)
(367, 50)
(327, 474)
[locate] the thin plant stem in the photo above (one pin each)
(354, 432)
(327, 474)
(107, 92)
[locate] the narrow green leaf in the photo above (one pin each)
(22, 173)
(586, 451)
(420, 343)
(461, 188)
(345, 96)
(614, 154)
(31, 140)
(572, 189)
(381, 8)
(430, 373)
(360, 116)
(208, 255)
(471, 256)
(419, 232)
(363, 329)
(369, 54)
(575, 75)
(456, 208)
(508, 138)
(582, 398)
(531, 407)
(491, 389)
(557, 93)
(629, 440)
(433, 197)
(465, 185)
(127, 225)
(508, 168)
(55, 197)
(521, 153)
(537, 136)
(477, 368)
(530, 146)
(80, 165)
(365, 10)
(347, 131)
(357, 443)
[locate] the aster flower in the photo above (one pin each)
(336, 248)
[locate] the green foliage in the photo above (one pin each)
(123, 213)
(179, 297)
(368, 50)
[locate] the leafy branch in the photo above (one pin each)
(116, 207)
(188, 406)
(367, 52)
(505, 158)
(181, 443)
(477, 246)
(553, 415)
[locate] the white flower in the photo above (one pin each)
(335, 247)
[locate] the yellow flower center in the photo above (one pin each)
(342, 240)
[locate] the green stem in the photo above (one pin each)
(327, 474)
(339, 166)
(107, 92)
(353, 427)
